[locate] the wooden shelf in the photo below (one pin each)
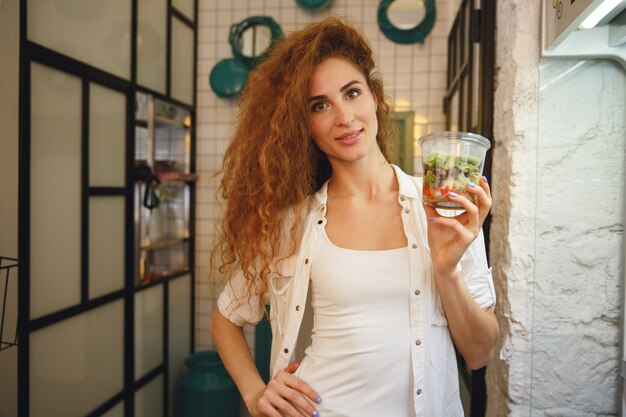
(166, 121)
(164, 243)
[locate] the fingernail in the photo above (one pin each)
(318, 399)
(316, 414)
(485, 179)
(453, 194)
(471, 184)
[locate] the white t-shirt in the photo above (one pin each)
(359, 360)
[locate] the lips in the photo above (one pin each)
(351, 137)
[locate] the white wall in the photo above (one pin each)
(415, 77)
(9, 76)
(579, 238)
(557, 231)
(513, 188)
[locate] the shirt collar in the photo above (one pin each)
(406, 187)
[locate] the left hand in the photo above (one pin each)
(449, 237)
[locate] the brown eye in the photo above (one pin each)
(353, 93)
(318, 107)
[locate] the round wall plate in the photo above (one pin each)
(228, 77)
(313, 4)
(406, 36)
(236, 34)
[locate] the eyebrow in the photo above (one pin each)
(342, 89)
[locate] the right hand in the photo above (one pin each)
(286, 395)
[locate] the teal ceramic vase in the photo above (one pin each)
(207, 390)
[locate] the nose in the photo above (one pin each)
(344, 115)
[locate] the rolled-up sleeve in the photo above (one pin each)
(477, 273)
(238, 305)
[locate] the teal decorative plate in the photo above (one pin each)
(228, 77)
(313, 4)
(407, 36)
(236, 37)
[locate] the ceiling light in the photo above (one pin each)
(598, 14)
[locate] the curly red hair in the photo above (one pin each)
(273, 164)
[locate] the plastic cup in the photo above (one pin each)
(451, 161)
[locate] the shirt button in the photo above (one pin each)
(418, 342)
(417, 292)
(297, 308)
(418, 392)
(320, 221)
(286, 350)
(306, 261)
(407, 211)
(414, 246)
(402, 198)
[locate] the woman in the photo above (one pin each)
(368, 288)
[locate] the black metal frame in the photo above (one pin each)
(461, 70)
(32, 52)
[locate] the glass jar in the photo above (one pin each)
(451, 160)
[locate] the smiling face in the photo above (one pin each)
(342, 112)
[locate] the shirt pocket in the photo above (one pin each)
(280, 281)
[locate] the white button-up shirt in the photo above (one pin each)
(433, 358)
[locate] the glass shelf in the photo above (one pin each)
(160, 244)
(162, 189)
(164, 261)
(167, 121)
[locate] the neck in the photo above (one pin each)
(364, 180)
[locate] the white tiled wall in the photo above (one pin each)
(415, 77)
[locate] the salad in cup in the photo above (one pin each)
(451, 161)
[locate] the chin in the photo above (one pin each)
(350, 158)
